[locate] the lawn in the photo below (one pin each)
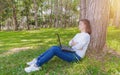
(37, 41)
(113, 38)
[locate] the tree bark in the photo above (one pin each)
(65, 19)
(0, 23)
(0, 26)
(56, 13)
(98, 15)
(35, 14)
(28, 27)
(15, 18)
(60, 13)
(51, 20)
(83, 9)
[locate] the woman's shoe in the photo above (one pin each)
(32, 62)
(32, 68)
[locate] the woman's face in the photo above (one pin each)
(81, 26)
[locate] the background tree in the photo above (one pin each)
(26, 14)
(15, 16)
(27, 7)
(56, 13)
(116, 13)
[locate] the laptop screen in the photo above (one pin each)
(59, 39)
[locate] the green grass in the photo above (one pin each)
(113, 38)
(41, 40)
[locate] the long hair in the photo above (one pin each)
(87, 23)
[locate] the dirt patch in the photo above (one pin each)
(15, 50)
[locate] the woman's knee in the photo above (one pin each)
(55, 48)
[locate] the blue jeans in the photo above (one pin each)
(56, 51)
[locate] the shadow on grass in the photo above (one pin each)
(15, 64)
(36, 38)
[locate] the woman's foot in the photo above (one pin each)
(32, 62)
(32, 68)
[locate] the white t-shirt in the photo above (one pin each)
(82, 40)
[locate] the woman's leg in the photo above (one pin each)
(35, 59)
(45, 57)
(41, 55)
(55, 50)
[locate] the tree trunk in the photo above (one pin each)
(41, 23)
(69, 11)
(51, 22)
(82, 9)
(56, 13)
(0, 26)
(35, 14)
(65, 19)
(60, 13)
(0, 23)
(15, 18)
(98, 14)
(28, 27)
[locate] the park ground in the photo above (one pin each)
(19, 47)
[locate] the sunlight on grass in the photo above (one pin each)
(40, 41)
(1, 44)
(113, 38)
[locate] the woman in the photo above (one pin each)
(79, 44)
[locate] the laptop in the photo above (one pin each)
(64, 48)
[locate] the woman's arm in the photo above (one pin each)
(81, 43)
(73, 43)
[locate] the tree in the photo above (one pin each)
(98, 14)
(35, 14)
(47, 13)
(60, 13)
(0, 22)
(15, 17)
(3, 5)
(27, 6)
(51, 13)
(83, 9)
(56, 13)
(5, 12)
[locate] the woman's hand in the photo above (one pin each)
(73, 43)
